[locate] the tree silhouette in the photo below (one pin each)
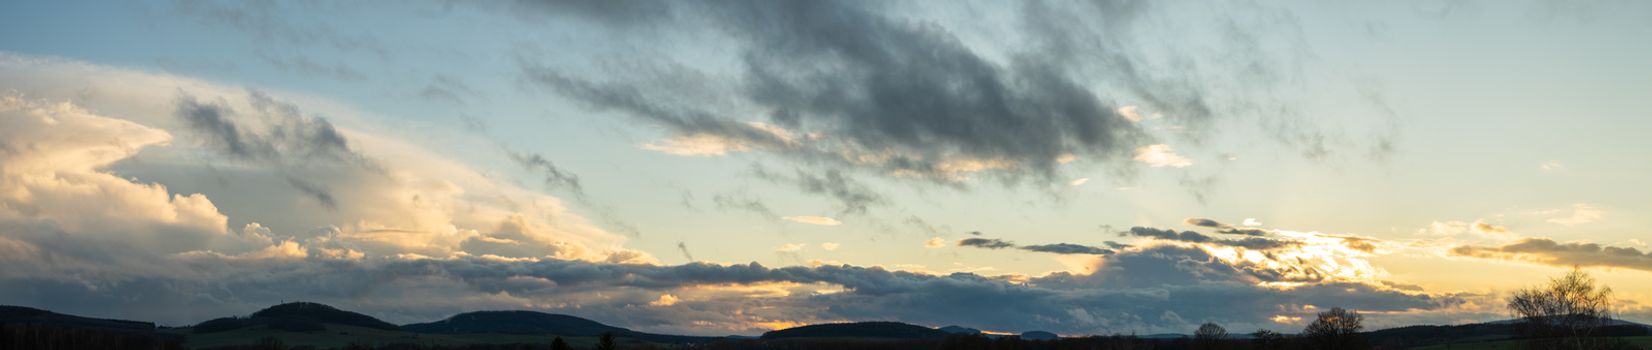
(269, 343)
(606, 341)
(1563, 314)
(559, 344)
(1209, 336)
(1264, 339)
(1336, 329)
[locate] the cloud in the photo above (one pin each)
(935, 242)
(554, 177)
(1167, 234)
(697, 145)
(1580, 214)
(276, 131)
(1550, 166)
(521, 262)
(1160, 155)
(813, 220)
(665, 300)
(1486, 228)
(1133, 288)
(1067, 248)
(988, 243)
(1055, 248)
(446, 88)
(1225, 228)
(279, 161)
(1079, 181)
(55, 187)
(1549, 252)
(683, 247)
(829, 246)
(1203, 222)
(1258, 243)
(1251, 222)
(1129, 113)
(853, 196)
(976, 114)
(742, 202)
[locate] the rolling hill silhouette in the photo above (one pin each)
(533, 322)
(26, 327)
(322, 326)
(33, 316)
(888, 330)
(295, 316)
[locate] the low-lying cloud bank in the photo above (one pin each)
(1549, 252)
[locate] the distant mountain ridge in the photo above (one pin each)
(534, 322)
(887, 330)
(54, 329)
(306, 317)
(28, 315)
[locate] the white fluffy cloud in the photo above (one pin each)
(813, 220)
(1160, 155)
(54, 179)
(289, 163)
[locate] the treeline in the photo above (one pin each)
(35, 336)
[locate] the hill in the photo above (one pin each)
(1482, 332)
(33, 316)
(514, 322)
(30, 328)
(960, 330)
(886, 330)
(294, 317)
(1039, 335)
(536, 323)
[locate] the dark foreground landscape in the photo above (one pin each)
(317, 326)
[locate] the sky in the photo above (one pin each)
(733, 167)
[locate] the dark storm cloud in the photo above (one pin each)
(1066, 35)
(875, 83)
(988, 243)
(1067, 248)
(555, 177)
(1225, 228)
(1549, 252)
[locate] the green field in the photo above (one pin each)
(337, 336)
(1643, 342)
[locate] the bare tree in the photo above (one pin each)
(559, 344)
(1209, 336)
(1336, 329)
(1264, 339)
(1563, 314)
(606, 341)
